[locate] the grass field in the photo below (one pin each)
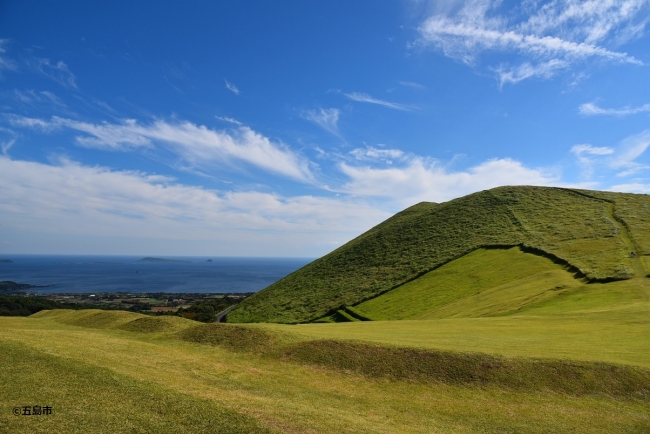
(515, 310)
(559, 371)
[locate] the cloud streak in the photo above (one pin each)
(197, 144)
(58, 72)
(6, 64)
(231, 87)
(591, 109)
(362, 97)
(327, 119)
(549, 38)
(621, 159)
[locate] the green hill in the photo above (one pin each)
(585, 233)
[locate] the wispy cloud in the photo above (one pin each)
(412, 84)
(621, 159)
(197, 144)
(549, 37)
(5, 146)
(58, 72)
(229, 120)
(371, 153)
(231, 87)
(31, 96)
(591, 109)
(363, 97)
(325, 118)
(70, 199)
(5, 63)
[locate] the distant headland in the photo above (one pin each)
(6, 261)
(149, 259)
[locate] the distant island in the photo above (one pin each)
(148, 259)
(6, 261)
(8, 285)
(209, 260)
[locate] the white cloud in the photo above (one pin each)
(362, 97)
(196, 144)
(58, 72)
(591, 109)
(412, 84)
(629, 150)
(370, 153)
(527, 70)
(5, 146)
(5, 64)
(325, 118)
(549, 37)
(621, 159)
(632, 187)
(421, 180)
(69, 199)
(229, 120)
(580, 150)
(231, 87)
(31, 96)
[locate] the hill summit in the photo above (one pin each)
(601, 236)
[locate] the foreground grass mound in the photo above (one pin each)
(103, 401)
(105, 379)
(116, 319)
(232, 337)
(575, 378)
(593, 232)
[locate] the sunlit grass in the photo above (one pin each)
(136, 371)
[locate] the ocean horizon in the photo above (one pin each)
(127, 273)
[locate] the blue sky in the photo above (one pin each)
(255, 128)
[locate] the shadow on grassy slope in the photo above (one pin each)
(574, 378)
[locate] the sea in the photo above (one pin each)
(89, 274)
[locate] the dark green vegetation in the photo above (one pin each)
(590, 233)
(25, 306)
(198, 307)
(207, 310)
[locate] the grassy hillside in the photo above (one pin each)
(486, 282)
(594, 232)
(115, 372)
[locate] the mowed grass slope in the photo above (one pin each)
(580, 228)
(486, 282)
(104, 375)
